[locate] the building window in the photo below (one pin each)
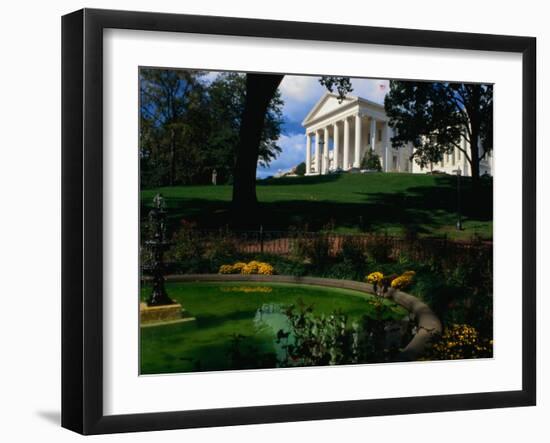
(395, 162)
(380, 135)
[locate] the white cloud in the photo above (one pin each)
(371, 89)
(293, 152)
(300, 93)
(210, 76)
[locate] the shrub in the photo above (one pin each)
(226, 269)
(330, 339)
(220, 250)
(371, 161)
(185, 254)
(353, 250)
(238, 267)
(300, 169)
(253, 267)
(374, 277)
(460, 341)
(379, 249)
(314, 249)
(403, 281)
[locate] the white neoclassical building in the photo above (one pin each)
(339, 133)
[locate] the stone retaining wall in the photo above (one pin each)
(427, 322)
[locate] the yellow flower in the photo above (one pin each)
(238, 267)
(257, 267)
(401, 282)
(226, 269)
(461, 341)
(375, 277)
(265, 269)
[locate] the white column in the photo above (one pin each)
(317, 153)
(357, 159)
(308, 153)
(346, 144)
(336, 147)
(325, 152)
(372, 133)
(387, 147)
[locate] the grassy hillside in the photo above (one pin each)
(379, 202)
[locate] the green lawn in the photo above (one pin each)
(225, 309)
(378, 202)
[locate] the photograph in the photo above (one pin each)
(291, 221)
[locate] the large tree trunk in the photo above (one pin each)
(260, 89)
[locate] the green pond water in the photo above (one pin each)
(255, 311)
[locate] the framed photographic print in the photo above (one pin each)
(270, 221)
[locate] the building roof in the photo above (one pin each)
(328, 97)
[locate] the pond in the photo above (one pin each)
(242, 318)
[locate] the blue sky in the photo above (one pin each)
(300, 93)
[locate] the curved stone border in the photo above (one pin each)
(427, 322)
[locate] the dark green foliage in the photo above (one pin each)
(320, 339)
(379, 249)
(243, 355)
(312, 249)
(301, 169)
(173, 124)
(189, 126)
(371, 161)
(187, 249)
(342, 85)
(434, 116)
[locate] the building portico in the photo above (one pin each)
(340, 132)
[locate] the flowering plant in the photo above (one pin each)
(461, 341)
(253, 267)
(374, 277)
(226, 269)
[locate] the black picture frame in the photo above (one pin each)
(82, 218)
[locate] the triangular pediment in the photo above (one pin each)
(327, 105)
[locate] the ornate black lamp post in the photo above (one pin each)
(158, 245)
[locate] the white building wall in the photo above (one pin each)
(395, 160)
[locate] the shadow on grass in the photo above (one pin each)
(299, 181)
(419, 208)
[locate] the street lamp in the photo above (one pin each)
(459, 216)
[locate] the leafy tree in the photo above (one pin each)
(261, 89)
(172, 117)
(341, 84)
(190, 126)
(227, 95)
(435, 116)
(301, 169)
(371, 160)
